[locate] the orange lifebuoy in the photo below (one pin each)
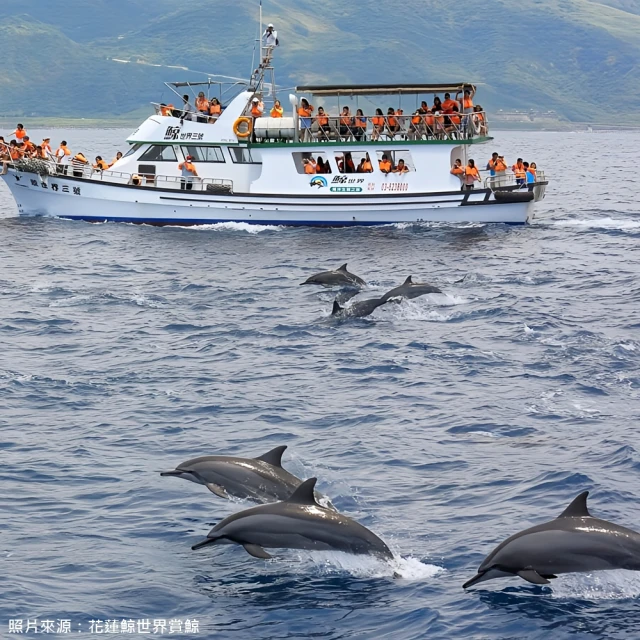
(243, 127)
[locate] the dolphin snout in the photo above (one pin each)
(479, 577)
(204, 543)
(175, 472)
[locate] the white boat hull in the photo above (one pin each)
(96, 201)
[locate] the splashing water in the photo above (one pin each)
(603, 585)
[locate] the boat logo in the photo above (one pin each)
(318, 181)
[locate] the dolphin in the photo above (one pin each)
(260, 479)
(358, 309)
(338, 278)
(296, 523)
(410, 289)
(574, 542)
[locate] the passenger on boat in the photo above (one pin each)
(136, 180)
(14, 151)
(187, 108)
(430, 123)
(437, 105)
(189, 172)
(519, 171)
(392, 122)
(401, 167)
(305, 110)
(453, 127)
(481, 124)
(533, 169)
(40, 153)
(416, 130)
(424, 107)
(78, 163)
(20, 132)
(471, 175)
(166, 109)
(202, 106)
(385, 164)
(257, 107)
(360, 126)
(365, 165)
(458, 170)
(439, 125)
(269, 41)
(530, 175)
(277, 111)
(449, 104)
(63, 154)
(29, 147)
(308, 167)
(378, 125)
(401, 120)
(100, 164)
(491, 165)
(346, 123)
(346, 164)
(215, 109)
(323, 124)
(467, 108)
(118, 157)
(46, 146)
(323, 166)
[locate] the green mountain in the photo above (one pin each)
(576, 57)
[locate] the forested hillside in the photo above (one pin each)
(576, 57)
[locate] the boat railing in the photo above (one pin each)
(183, 114)
(341, 128)
(195, 183)
(507, 181)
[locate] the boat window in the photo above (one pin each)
(242, 155)
(132, 149)
(396, 156)
(204, 154)
(351, 161)
(301, 159)
(159, 153)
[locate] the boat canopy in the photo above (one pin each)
(381, 89)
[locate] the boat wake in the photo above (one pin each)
(604, 585)
(235, 226)
(600, 223)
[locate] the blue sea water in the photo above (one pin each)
(444, 424)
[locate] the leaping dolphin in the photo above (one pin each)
(297, 523)
(358, 309)
(260, 479)
(410, 289)
(574, 542)
(340, 277)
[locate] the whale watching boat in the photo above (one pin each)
(320, 167)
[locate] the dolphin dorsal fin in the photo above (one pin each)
(273, 457)
(408, 280)
(343, 267)
(578, 508)
(336, 308)
(304, 493)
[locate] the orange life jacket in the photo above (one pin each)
(471, 171)
(378, 121)
(416, 119)
(498, 165)
(448, 105)
(257, 109)
(454, 118)
(366, 167)
(309, 168)
(29, 146)
(188, 166)
(385, 165)
(304, 112)
(361, 122)
(480, 115)
(215, 109)
(101, 164)
(202, 104)
(519, 171)
(15, 154)
(277, 112)
(429, 119)
(20, 133)
(532, 172)
(467, 103)
(346, 120)
(323, 120)
(457, 171)
(166, 110)
(393, 122)
(63, 148)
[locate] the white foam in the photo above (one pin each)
(236, 226)
(600, 223)
(360, 566)
(601, 585)
(528, 329)
(627, 347)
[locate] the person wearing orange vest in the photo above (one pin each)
(346, 123)
(500, 166)
(401, 168)
(277, 111)
(533, 169)
(215, 109)
(467, 108)
(471, 175)
(416, 130)
(29, 148)
(439, 124)
(385, 164)
(392, 122)
(257, 108)
(100, 164)
(62, 156)
(309, 168)
(323, 124)
(458, 171)
(20, 132)
(14, 151)
(118, 157)
(188, 173)
(202, 106)
(378, 125)
(360, 125)
(166, 109)
(40, 153)
(365, 165)
(78, 163)
(448, 104)
(305, 110)
(453, 128)
(430, 122)
(520, 172)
